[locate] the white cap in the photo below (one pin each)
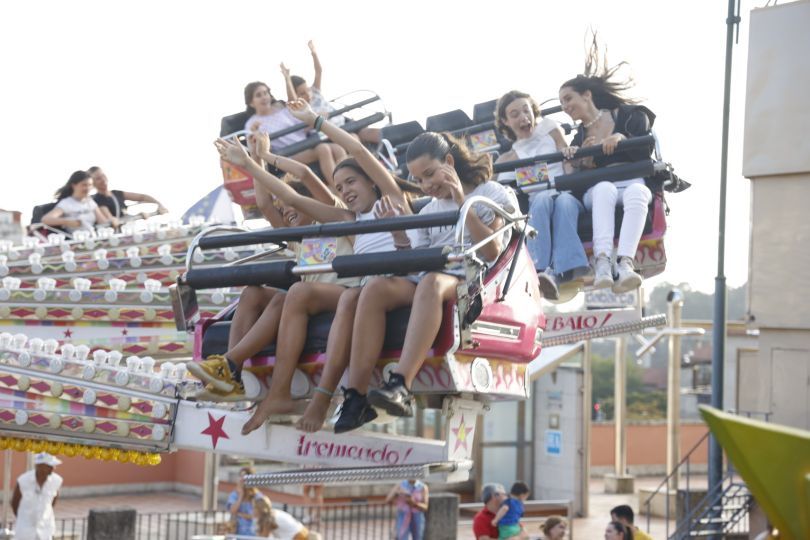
(44, 458)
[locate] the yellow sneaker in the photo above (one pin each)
(215, 371)
(209, 393)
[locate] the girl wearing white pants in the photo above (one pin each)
(606, 118)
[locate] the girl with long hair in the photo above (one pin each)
(606, 117)
(75, 209)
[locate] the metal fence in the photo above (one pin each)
(349, 521)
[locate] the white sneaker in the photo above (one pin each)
(603, 273)
(628, 279)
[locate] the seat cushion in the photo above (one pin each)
(215, 339)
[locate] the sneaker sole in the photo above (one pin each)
(208, 395)
(204, 376)
(629, 285)
(369, 417)
(548, 290)
(392, 408)
(602, 284)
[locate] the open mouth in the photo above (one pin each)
(351, 198)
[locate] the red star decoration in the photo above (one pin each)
(462, 432)
(124, 332)
(68, 333)
(215, 429)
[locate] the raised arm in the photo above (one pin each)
(370, 164)
(316, 65)
(291, 95)
(499, 515)
(318, 189)
(144, 198)
(235, 153)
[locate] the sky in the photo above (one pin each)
(139, 88)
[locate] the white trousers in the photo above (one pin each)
(602, 200)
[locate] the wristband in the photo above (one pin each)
(318, 123)
(323, 391)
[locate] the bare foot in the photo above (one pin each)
(314, 417)
(267, 408)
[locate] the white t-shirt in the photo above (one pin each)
(277, 121)
(84, 211)
(288, 526)
(539, 143)
(321, 106)
(372, 242)
(445, 236)
(35, 519)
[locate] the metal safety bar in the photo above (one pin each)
(605, 331)
(358, 474)
(332, 114)
(587, 151)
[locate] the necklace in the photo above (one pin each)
(592, 122)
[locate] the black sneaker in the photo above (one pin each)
(394, 398)
(354, 412)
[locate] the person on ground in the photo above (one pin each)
(606, 118)
(557, 250)
(277, 524)
(411, 498)
(618, 531)
(115, 200)
(511, 511)
(34, 497)
(554, 528)
(240, 504)
(624, 515)
(492, 495)
(75, 209)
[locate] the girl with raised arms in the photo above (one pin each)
(447, 171)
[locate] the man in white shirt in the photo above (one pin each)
(34, 496)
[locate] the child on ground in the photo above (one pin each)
(508, 517)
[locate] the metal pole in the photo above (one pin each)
(675, 306)
(210, 481)
(7, 455)
(587, 409)
(620, 407)
(719, 316)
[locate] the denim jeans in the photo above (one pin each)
(415, 529)
(557, 244)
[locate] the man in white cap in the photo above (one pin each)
(34, 496)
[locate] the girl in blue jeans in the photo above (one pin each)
(556, 251)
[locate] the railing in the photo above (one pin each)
(685, 463)
(347, 521)
(723, 511)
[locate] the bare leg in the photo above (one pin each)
(425, 321)
(303, 300)
(338, 348)
(252, 303)
(262, 333)
(377, 298)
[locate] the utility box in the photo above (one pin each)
(559, 453)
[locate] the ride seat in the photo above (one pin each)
(233, 123)
(215, 339)
(37, 227)
(449, 121)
